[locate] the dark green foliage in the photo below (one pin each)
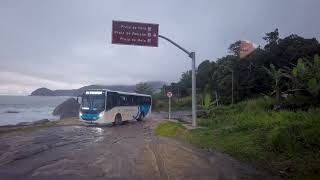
(272, 38)
(288, 141)
(304, 84)
(235, 48)
(250, 77)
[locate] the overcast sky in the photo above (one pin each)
(63, 44)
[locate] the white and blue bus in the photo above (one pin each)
(102, 106)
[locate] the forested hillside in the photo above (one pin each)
(274, 121)
(286, 65)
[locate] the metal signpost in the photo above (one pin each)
(169, 94)
(146, 34)
(192, 55)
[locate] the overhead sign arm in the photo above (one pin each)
(192, 55)
(177, 45)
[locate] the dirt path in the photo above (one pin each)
(130, 151)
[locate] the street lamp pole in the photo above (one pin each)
(192, 55)
(194, 115)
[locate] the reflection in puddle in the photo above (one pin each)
(98, 130)
(99, 139)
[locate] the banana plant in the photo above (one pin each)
(277, 75)
(307, 75)
(208, 103)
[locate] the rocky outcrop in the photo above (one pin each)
(69, 108)
(42, 92)
(23, 124)
(42, 121)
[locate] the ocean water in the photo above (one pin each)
(15, 109)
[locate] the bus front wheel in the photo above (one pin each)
(117, 120)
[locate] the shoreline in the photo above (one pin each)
(40, 124)
(31, 122)
(25, 110)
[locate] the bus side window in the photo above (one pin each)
(140, 100)
(129, 100)
(112, 100)
(122, 100)
(134, 101)
(148, 100)
(129, 103)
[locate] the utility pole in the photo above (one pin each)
(194, 103)
(192, 55)
(217, 100)
(169, 108)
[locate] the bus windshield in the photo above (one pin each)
(93, 103)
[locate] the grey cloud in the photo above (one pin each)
(67, 44)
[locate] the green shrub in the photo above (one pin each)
(260, 104)
(286, 142)
(176, 103)
(182, 102)
(300, 100)
(169, 129)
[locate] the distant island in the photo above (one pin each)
(156, 85)
(43, 92)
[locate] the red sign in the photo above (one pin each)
(169, 94)
(134, 33)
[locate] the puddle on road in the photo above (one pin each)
(99, 139)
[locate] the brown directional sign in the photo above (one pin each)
(135, 33)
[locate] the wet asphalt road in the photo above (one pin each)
(130, 151)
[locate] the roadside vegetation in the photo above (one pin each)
(286, 143)
(274, 122)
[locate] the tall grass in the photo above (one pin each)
(176, 103)
(285, 142)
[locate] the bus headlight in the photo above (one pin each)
(100, 115)
(80, 114)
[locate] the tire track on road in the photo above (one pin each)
(153, 146)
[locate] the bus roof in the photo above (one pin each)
(120, 92)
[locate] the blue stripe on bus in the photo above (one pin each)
(144, 109)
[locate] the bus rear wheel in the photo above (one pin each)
(117, 120)
(141, 116)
